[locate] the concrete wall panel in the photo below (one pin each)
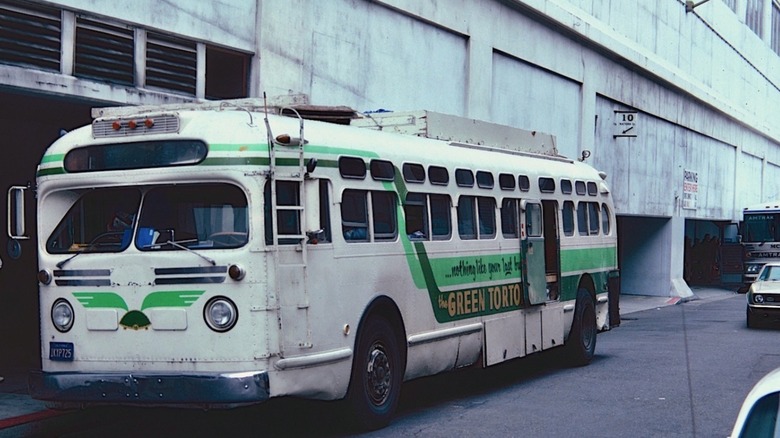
(750, 182)
(528, 97)
(365, 57)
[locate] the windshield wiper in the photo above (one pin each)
(62, 263)
(92, 245)
(180, 246)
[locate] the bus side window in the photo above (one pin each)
(582, 218)
(605, 219)
(467, 224)
(533, 220)
(416, 212)
(593, 218)
(325, 236)
(287, 221)
(487, 217)
(568, 218)
(354, 215)
(383, 205)
(441, 222)
(288, 194)
(509, 218)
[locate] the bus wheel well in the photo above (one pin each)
(386, 308)
(586, 282)
(378, 365)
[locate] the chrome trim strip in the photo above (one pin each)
(189, 280)
(194, 390)
(81, 272)
(438, 335)
(103, 282)
(191, 270)
(310, 360)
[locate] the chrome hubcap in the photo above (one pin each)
(378, 374)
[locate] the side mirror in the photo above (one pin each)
(17, 229)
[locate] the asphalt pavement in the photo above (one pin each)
(20, 415)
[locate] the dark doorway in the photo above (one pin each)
(29, 123)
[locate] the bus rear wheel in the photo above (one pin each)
(581, 344)
(375, 385)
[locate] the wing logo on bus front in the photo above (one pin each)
(137, 319)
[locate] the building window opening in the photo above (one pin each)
(227, 74)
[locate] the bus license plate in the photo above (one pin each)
(62, 351)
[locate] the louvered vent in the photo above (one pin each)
(120, 127)
(104, 52)
(30, 36)
(171, 63)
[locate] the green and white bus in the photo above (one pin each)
(219, 255)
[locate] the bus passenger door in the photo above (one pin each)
(533, 252)
(552, 250)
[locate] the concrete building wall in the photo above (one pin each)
(229, 23)
(702, 86)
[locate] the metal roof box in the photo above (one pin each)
(457, 129)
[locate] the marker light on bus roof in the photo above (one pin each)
(287, 140)
(132, 124)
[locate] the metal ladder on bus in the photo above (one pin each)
(292, 270)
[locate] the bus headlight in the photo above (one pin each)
(220, 314)
(753, 269)
(62, 315)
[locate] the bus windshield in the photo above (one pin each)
(169, 218)
(763, 227)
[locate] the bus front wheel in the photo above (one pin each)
(582, 337)
(375, 386)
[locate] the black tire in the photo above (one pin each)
(581, 344)
(751, 320)
(377, 373)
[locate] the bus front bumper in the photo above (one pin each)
(202, 390)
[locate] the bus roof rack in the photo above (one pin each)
(281, 104)
(455, 129)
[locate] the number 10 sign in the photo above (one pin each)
(625, 123)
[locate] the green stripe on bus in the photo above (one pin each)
(51, 171)
(52, 158)
(238, 147)
(586, 259)
(452, 271)
(312, 149)
(235, 161)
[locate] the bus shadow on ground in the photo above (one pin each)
(288, 416)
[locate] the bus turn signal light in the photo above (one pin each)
(236, 272)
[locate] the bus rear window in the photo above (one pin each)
(136, 155)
